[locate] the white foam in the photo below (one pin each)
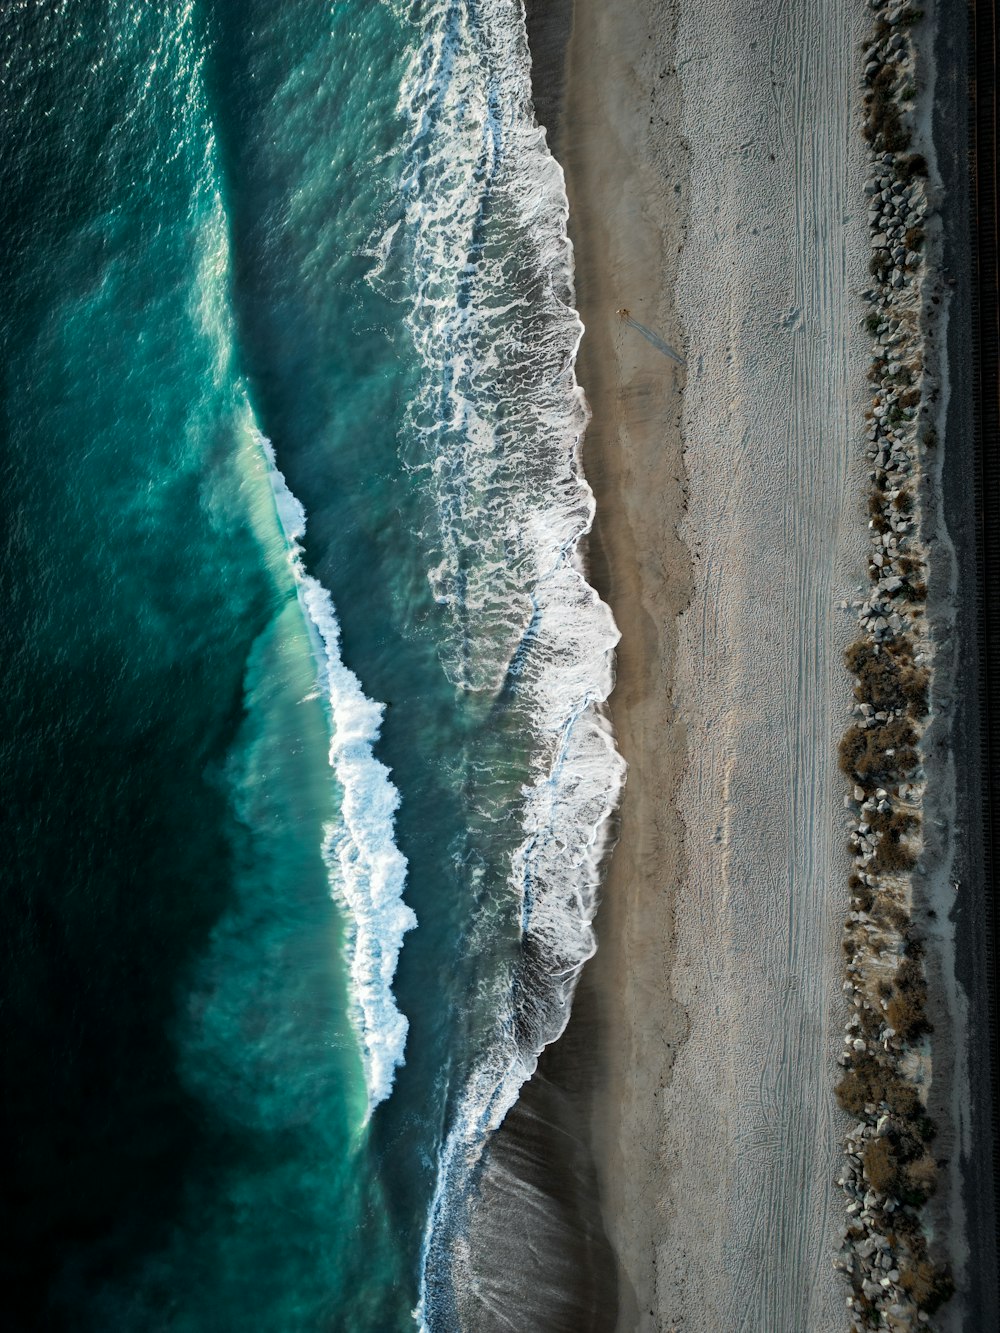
(480, 254)
(367, 869)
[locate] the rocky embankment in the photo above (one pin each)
(889, 1166)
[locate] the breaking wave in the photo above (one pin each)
(367, 870)
(479, 255)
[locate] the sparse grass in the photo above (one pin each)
(909, 398)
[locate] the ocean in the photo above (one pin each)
(306, 768)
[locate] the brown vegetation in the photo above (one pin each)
(883, 126)
(927, 1284)
(881, 1167)
(863, 751)
(906, 1016)
(887, 677)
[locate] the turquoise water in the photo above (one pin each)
(305, 766)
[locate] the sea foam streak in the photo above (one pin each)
(481, 256)
(367, 869)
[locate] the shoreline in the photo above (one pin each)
(715, 994)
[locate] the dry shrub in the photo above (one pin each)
(853, 1092)
(906, 1015)
(914, 164)
(881, 1167)
(909, 976)
(882, 120)
(928, 1285)
(914, 238)
(887, 679)
(896, 823)
(893, 857)
(863, 751)
(922, 1175)
(873, 1080)
(890, 913)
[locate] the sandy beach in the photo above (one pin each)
(733, 231)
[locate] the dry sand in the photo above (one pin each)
(715, 171)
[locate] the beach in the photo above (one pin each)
(714, 177)
(722, 936)
(715, 170)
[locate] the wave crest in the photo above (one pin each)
(367, 870)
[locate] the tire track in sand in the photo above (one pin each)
(774, 258)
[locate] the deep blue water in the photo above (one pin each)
(304, 766)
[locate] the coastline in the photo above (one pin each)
(695, 1080)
